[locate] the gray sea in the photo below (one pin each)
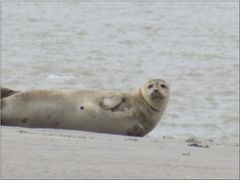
(121, 45)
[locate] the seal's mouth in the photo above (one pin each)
(153, 108)
(156, 94)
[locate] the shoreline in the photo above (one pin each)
(51, 153)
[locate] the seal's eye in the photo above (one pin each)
(163, 86)
(150, 86)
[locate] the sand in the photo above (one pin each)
(49, 153)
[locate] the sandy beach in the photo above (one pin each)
(49, 153)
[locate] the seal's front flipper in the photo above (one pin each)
(136, 130)
(111, 102)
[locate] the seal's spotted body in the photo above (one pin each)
(127, 113)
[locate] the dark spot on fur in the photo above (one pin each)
(24, 120)
(82, 107)
(57, 123)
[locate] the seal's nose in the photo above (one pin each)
(156, 90)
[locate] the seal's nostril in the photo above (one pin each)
(155, 90)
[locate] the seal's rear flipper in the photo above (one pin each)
(5, 92)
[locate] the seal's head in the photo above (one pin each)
(156, 93)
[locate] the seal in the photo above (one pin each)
(133, 113)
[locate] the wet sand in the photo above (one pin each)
(49, 153)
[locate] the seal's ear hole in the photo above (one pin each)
(163, 86)
(150, 86)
